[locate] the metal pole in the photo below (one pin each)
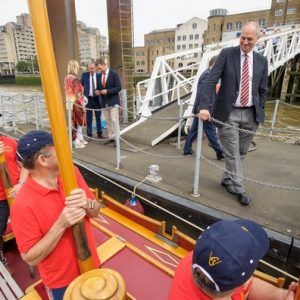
(25, 108)
(117, 137)
(36, 113)
(179, 123)
(69, 109)
(197, 160)
(124, 106)
(273, 119)
(14, 114)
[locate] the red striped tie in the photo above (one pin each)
(245, 82)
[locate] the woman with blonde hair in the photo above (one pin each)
(74, 93)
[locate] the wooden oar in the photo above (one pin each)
(297, 296)
(49, 76)
(6, 179)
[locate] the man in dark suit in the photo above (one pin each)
(110, 86)
(240, 103)
(208, 127)
(91, 83)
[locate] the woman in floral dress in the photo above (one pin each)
(74, 94)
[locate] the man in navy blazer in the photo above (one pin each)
(110, 87)
(240, 103)
(91, 83)
(208, 127)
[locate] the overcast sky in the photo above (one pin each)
(148, 14)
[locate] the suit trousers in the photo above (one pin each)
(235, 145)
(110, 118)
(93, 103)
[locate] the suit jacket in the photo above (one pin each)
(85, 81)
(200, 91)
(113, 87)
(228, 68)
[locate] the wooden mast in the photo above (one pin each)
(49, 76)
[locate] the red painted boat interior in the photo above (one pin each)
(140, 275)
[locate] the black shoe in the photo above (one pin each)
(189, 153)
(228, 187)
(220, 156)
(243, 199)
(89, 135)
(100, 137)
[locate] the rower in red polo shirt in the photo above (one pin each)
(42, 215)
(17, 176)
(222, 264)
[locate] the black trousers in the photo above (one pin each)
(4, 214)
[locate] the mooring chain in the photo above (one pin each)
(277, 186)
(152, 154)
(294, 139)
(284, 187)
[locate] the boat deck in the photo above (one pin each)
(272, 162)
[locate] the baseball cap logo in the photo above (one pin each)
(213, 260)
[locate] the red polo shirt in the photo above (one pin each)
(11, 162)
(184, 287)
(34, 211)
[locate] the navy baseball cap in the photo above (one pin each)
(228, 253)
(32, 142)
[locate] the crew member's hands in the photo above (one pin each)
(14, 191)
(204, 114)
(97, 92)
(103, 92)
(77, 199)
(2, 147)
(70, 216)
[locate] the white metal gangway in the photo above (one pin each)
(170, 80)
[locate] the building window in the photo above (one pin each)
(291, 11)
(191, 36)
(142, 62)
(180, 65)
(190, 46)
(179, 38)
(137, 63)
(229, 26)
(196, 36)
(196, 45)
(195, 55)
(194, 25)
(178, 47)
(183, 47)
(142, 53)
(262, 22)
(184, 37)
(238, 25)
(278, 12)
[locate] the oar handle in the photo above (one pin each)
(297, 296)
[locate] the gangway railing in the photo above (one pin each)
(278, 48)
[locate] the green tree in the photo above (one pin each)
(22, 66)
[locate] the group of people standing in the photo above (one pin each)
(226, 254)
(97, 90)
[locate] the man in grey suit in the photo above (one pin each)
(240, 102)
